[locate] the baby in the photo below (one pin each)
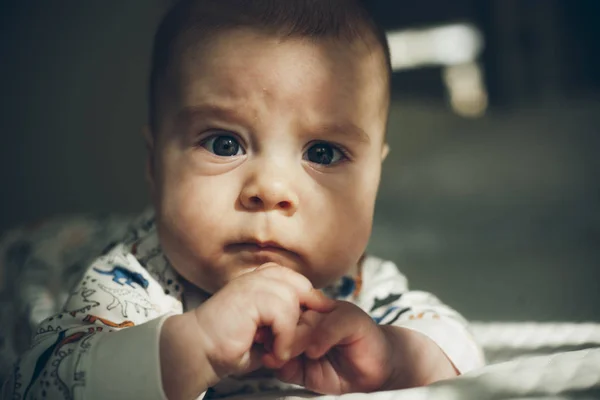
(265, 142)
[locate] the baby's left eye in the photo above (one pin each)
(324, 153)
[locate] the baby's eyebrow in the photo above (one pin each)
(346, 129)
(208, 110)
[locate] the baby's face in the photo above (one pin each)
(269, 150)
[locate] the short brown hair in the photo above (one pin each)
(347, 20)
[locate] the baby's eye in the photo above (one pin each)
(223, 146)
(324, 153)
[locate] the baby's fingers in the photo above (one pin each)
(303, 335)
(283, 331)
(309, 297)
(342, 326)
(283, 322)
(317, 301)
(302, 339)
(306, 331)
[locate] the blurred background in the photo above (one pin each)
(489, 197)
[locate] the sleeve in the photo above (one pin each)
(105, 342)
(386, 297)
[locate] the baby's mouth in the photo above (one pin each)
(253, 244)
(261, 252)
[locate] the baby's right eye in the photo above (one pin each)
(223, 145)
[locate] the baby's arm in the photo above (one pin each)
(432, 340)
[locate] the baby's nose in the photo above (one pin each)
(269, 193)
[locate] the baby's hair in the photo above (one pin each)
(191, 21)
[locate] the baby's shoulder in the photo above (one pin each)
(374, 269)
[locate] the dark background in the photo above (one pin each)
(498, 215)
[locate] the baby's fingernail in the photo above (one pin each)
(285, 356)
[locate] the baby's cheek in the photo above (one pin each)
(186, 202)
(339, 252)
(354, 236)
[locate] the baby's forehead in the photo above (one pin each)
(247, 60)
(265, 78)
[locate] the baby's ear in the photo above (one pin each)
(149, 141)
(384, 151)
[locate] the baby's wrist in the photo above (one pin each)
(397, 378)
(186, 371)
(219, 354)
(416, 360)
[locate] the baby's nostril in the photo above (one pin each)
(255, 200)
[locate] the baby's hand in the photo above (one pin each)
(269, 297)
(200, 347)
(343, 351)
